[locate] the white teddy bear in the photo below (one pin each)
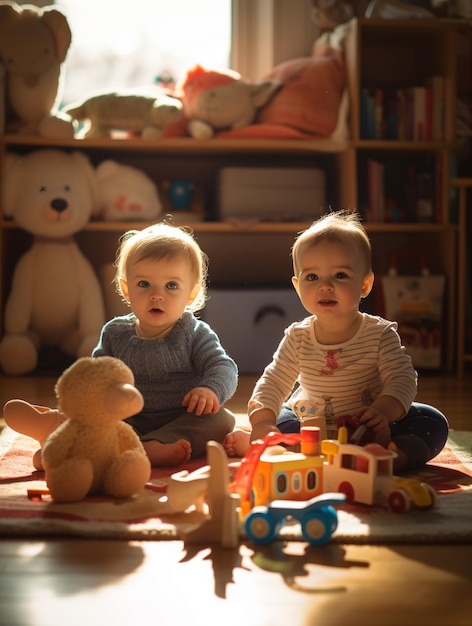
(56, 299)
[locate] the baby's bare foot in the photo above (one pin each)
(236, 443)
(168, 453)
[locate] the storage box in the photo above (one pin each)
(251, 322)
(271, 193)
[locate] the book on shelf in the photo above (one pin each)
(399, 191)
(368, 114)
(436, 84)
(402, 115)
(413, 113)
(416, 113)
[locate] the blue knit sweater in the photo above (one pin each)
(165, 369)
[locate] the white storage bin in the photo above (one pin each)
(251, 322)
(271, 193)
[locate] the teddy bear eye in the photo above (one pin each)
(66, 187)
(42, 189)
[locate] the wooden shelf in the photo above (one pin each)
(402, 146)
(235, 226)
(181, 145)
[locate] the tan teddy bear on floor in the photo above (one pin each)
(89, 450)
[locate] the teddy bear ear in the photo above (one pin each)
(10, 182)
(57, 22)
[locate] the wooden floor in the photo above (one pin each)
(67, 582)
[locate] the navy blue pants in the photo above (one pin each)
(421, 434)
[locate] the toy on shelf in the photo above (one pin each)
(144, 115)
(179, 194)
(55, 300)
(214, 101)
(318, 518)
(184, 200)
(33, 47)
(126, 193)
(365, 475)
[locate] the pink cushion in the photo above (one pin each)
(311, 94)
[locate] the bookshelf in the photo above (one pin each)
(464, 311)
(381, 55)
(403, 80)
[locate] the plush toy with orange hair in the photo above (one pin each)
(215, 101)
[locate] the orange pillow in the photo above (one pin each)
(309, 100)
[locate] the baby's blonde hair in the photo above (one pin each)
(338, 226)
(160, 241)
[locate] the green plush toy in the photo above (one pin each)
(145, 115)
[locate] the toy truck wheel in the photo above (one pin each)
(318, 527)
(399, 501)
(260, 527)
(348, 490)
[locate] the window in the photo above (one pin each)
(117, 44)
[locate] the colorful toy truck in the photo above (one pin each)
(268, 472)
(362, 474)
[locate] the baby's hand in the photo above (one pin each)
(375, 420)
(201, 401)
(259, 431)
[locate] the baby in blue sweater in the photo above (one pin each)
(180, 367)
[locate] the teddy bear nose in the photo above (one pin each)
(59, 204)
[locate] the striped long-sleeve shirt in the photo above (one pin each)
(336, 380)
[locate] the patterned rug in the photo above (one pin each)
(145, 517)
